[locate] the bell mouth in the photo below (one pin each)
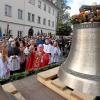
(83, 85)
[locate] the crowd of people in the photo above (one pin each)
(27, 53)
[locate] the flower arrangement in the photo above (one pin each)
(87, 14)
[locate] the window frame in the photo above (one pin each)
(29, 17)
(20, 14)
(8, 10)
(33, 17)
(49, 23)
(45, 7)
(39, 20)
(39, 4)
(53, 23)
(44, 21)
(49, 9)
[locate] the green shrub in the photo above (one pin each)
(21, 75)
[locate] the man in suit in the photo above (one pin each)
(30, 32)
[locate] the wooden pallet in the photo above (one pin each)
(49, 78)
(10, 88)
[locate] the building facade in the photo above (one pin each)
(17, 16)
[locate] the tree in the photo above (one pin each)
(62, 20)
(63, 29)
(62, 14)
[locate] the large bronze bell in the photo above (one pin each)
(81, 70)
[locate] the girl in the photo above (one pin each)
(4, 68)
(22, 56)
(55, 54)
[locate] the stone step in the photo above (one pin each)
(49, 74)
(11, 89)
(57, 86)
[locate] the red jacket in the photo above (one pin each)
(37, 61)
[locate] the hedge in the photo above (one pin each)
(21, 75)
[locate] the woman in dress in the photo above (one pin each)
(55, 54)
(22, 56)
(14, 58)
(4, 66)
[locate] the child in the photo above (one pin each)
(4, 68)
(55, 55)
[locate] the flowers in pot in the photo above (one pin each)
(90, 14)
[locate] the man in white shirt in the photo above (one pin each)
(48, 48)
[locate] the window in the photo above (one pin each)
(29, 16)
(8, 10)
(49, 10)
(39, 20)
(53, 11)
(39, 4)
(44, 21)
(32, 2)
(52, 23)
(44, 7)
(48, 22)
(33, 17)
(20, 14)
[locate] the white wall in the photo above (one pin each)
(23, 25)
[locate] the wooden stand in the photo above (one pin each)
(49, 78)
